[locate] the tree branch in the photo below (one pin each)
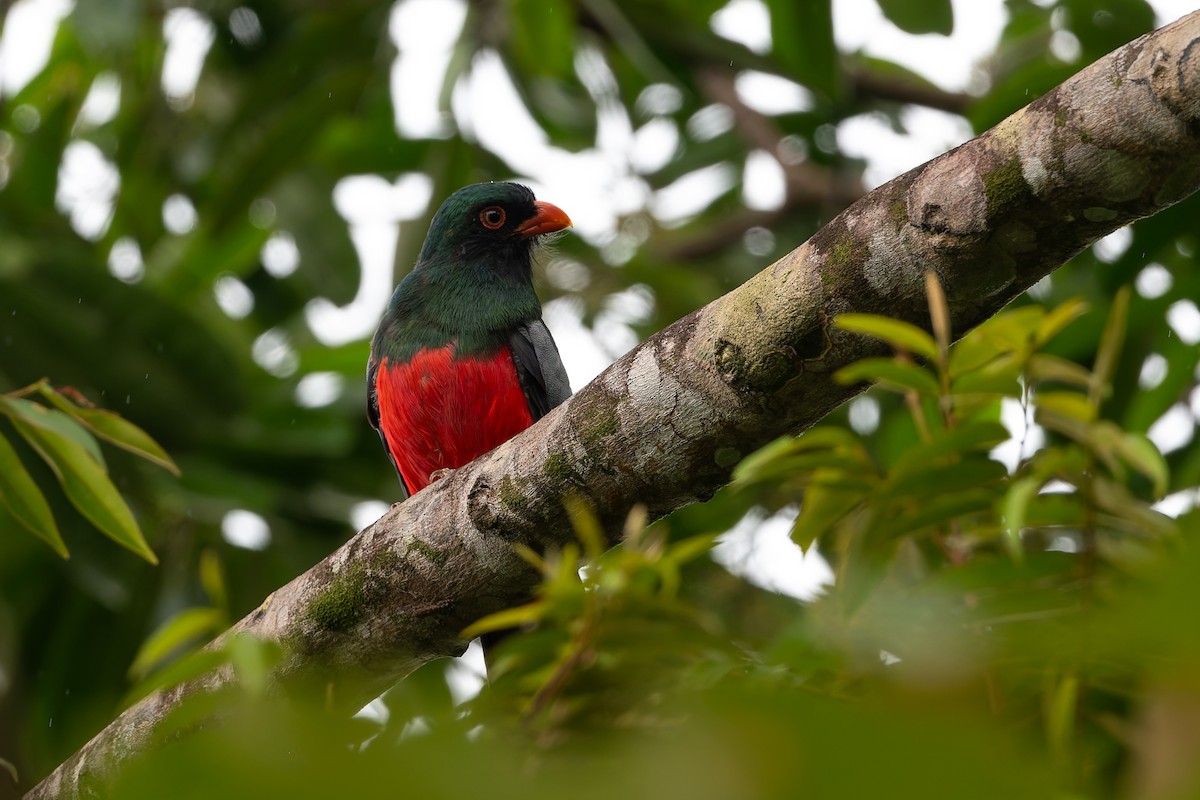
(807, 184)
(870, 83)
(665, 425)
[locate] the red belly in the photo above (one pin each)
(439, 412)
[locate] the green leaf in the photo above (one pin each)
(997, 377)
(891, 374)
(1110, 442)
(1140, 453)
(1118, 501)
(24, 500)
(901, 335)
(1013, 330)
(1059, 318)
(212, 578)
(829, 436)
(52, 420)
(761, 461)
(973, 351)
(691, 548)
(968, 437)
(190, 666)
(941, 510)
(87, 486)
(252, 659)
(181, 629)
(113, 428)
(1046, 367)
(1071, 405)
(818, 447)
(1110, 346)
(586, 525)
(1016, 505)
(920, 16)
(802, 40)
(508, 618)
(822, 508)
(933, 479)
(830, 459)
(543, 38)
(1060, 721)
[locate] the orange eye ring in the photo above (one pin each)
(492, 218)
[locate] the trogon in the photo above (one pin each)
(462, 360)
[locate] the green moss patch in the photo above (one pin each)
(339, 605)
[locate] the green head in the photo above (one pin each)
(473, 280)
(489, 224)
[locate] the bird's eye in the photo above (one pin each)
(492, 217)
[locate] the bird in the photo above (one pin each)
(462, 360)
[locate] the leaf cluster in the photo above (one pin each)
(64, 431)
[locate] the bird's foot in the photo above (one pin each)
(438, 474)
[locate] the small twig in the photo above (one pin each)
(904, 90)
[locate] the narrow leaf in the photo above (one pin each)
(87, 486)
(252, 659)
(1013, 330)
(112, 428)
(1068, 404)
(935, 478)
(181, 629)
(822, 508)
(1060, 719)
(691, 548)
(508, 618)
(941, 510)
(24, 500)
(1068, 426)
(212, 578)
(969, 437)
(1059, 318)
(1110, 347)
(829, 436)
(1045, 367)
(587, 527)
(190, 666)
(1016, 506)
(788, 456)
(997, 378)
(973, 351)
(53, 420)
(810, 53)
(891, 374)
(1140, 453)
(898, 334)
(939, 313)
(920, 16)
(752, 466)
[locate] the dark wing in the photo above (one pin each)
(373, 417)
(539, 367)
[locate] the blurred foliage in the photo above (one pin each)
(1042, 637)
(983, 638)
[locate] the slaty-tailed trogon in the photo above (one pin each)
(462, 361)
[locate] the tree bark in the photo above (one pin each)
(666, 424)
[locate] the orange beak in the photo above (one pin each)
(549, 218)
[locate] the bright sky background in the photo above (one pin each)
(595, 186)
